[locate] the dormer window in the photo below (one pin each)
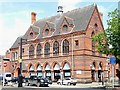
(31, 34)
(46, 31)
(65, 27)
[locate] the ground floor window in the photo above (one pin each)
(32, 73)
(39, 73)
(93, 75)
(99, 75)
(67, 73)
(48, 74)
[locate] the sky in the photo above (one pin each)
(15, 15)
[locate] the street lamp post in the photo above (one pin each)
(20, 71)
(20, 61)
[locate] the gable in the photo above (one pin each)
(95, 23)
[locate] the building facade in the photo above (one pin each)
(61, 46)
(5, 63)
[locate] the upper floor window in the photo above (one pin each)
(38, 49)
(47, 49)
(16, 55)
(46, 31)
(65, 27)
(76, 42)
(56, 48)
(23, 50)
(93, 44)
(13, 56)
(96, 29)
(95, 25)
(65, 46)
(31, 50)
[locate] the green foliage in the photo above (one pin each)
(111, 36)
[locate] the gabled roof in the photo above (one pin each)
(51, 25)
(15, 44)
(78, 17)
(70, 20)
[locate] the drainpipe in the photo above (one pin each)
(72, 58)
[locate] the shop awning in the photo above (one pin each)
(66, 67)
(56, 67)
(39, 68)
(47, 67)
(32, 68)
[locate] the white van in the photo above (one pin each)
(8, 76)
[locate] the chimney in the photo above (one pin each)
(101, 15)
(60, 9)
(33, 17)
(7, 54)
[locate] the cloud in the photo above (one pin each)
(68, 4)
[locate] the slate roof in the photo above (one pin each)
(78, 17)
(15, 44)
(35, 29)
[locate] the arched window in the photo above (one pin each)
(16, 55)
(65, 27)
(31, 50)
(38, 49)
(56, 48)
(96, 27)
(46, 31)
(31, 34)
(31, 70)
(93, 44)
(47, 49)
(65, 47)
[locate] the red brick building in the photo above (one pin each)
(61, 46)
(5, 59)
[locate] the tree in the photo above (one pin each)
(108, 42)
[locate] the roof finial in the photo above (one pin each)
(94, 4)
(60, 9)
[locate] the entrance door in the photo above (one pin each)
(93, 75)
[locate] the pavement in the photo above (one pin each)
(55, 85)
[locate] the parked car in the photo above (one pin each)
(49, 80)
(8, 76)
(67, 81)
(14, 79)
(38, 81)
(25, 79)
(5, 81)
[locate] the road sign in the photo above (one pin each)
(5, 64)
(60, 70)
(112, 60)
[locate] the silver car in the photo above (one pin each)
(67, 81)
